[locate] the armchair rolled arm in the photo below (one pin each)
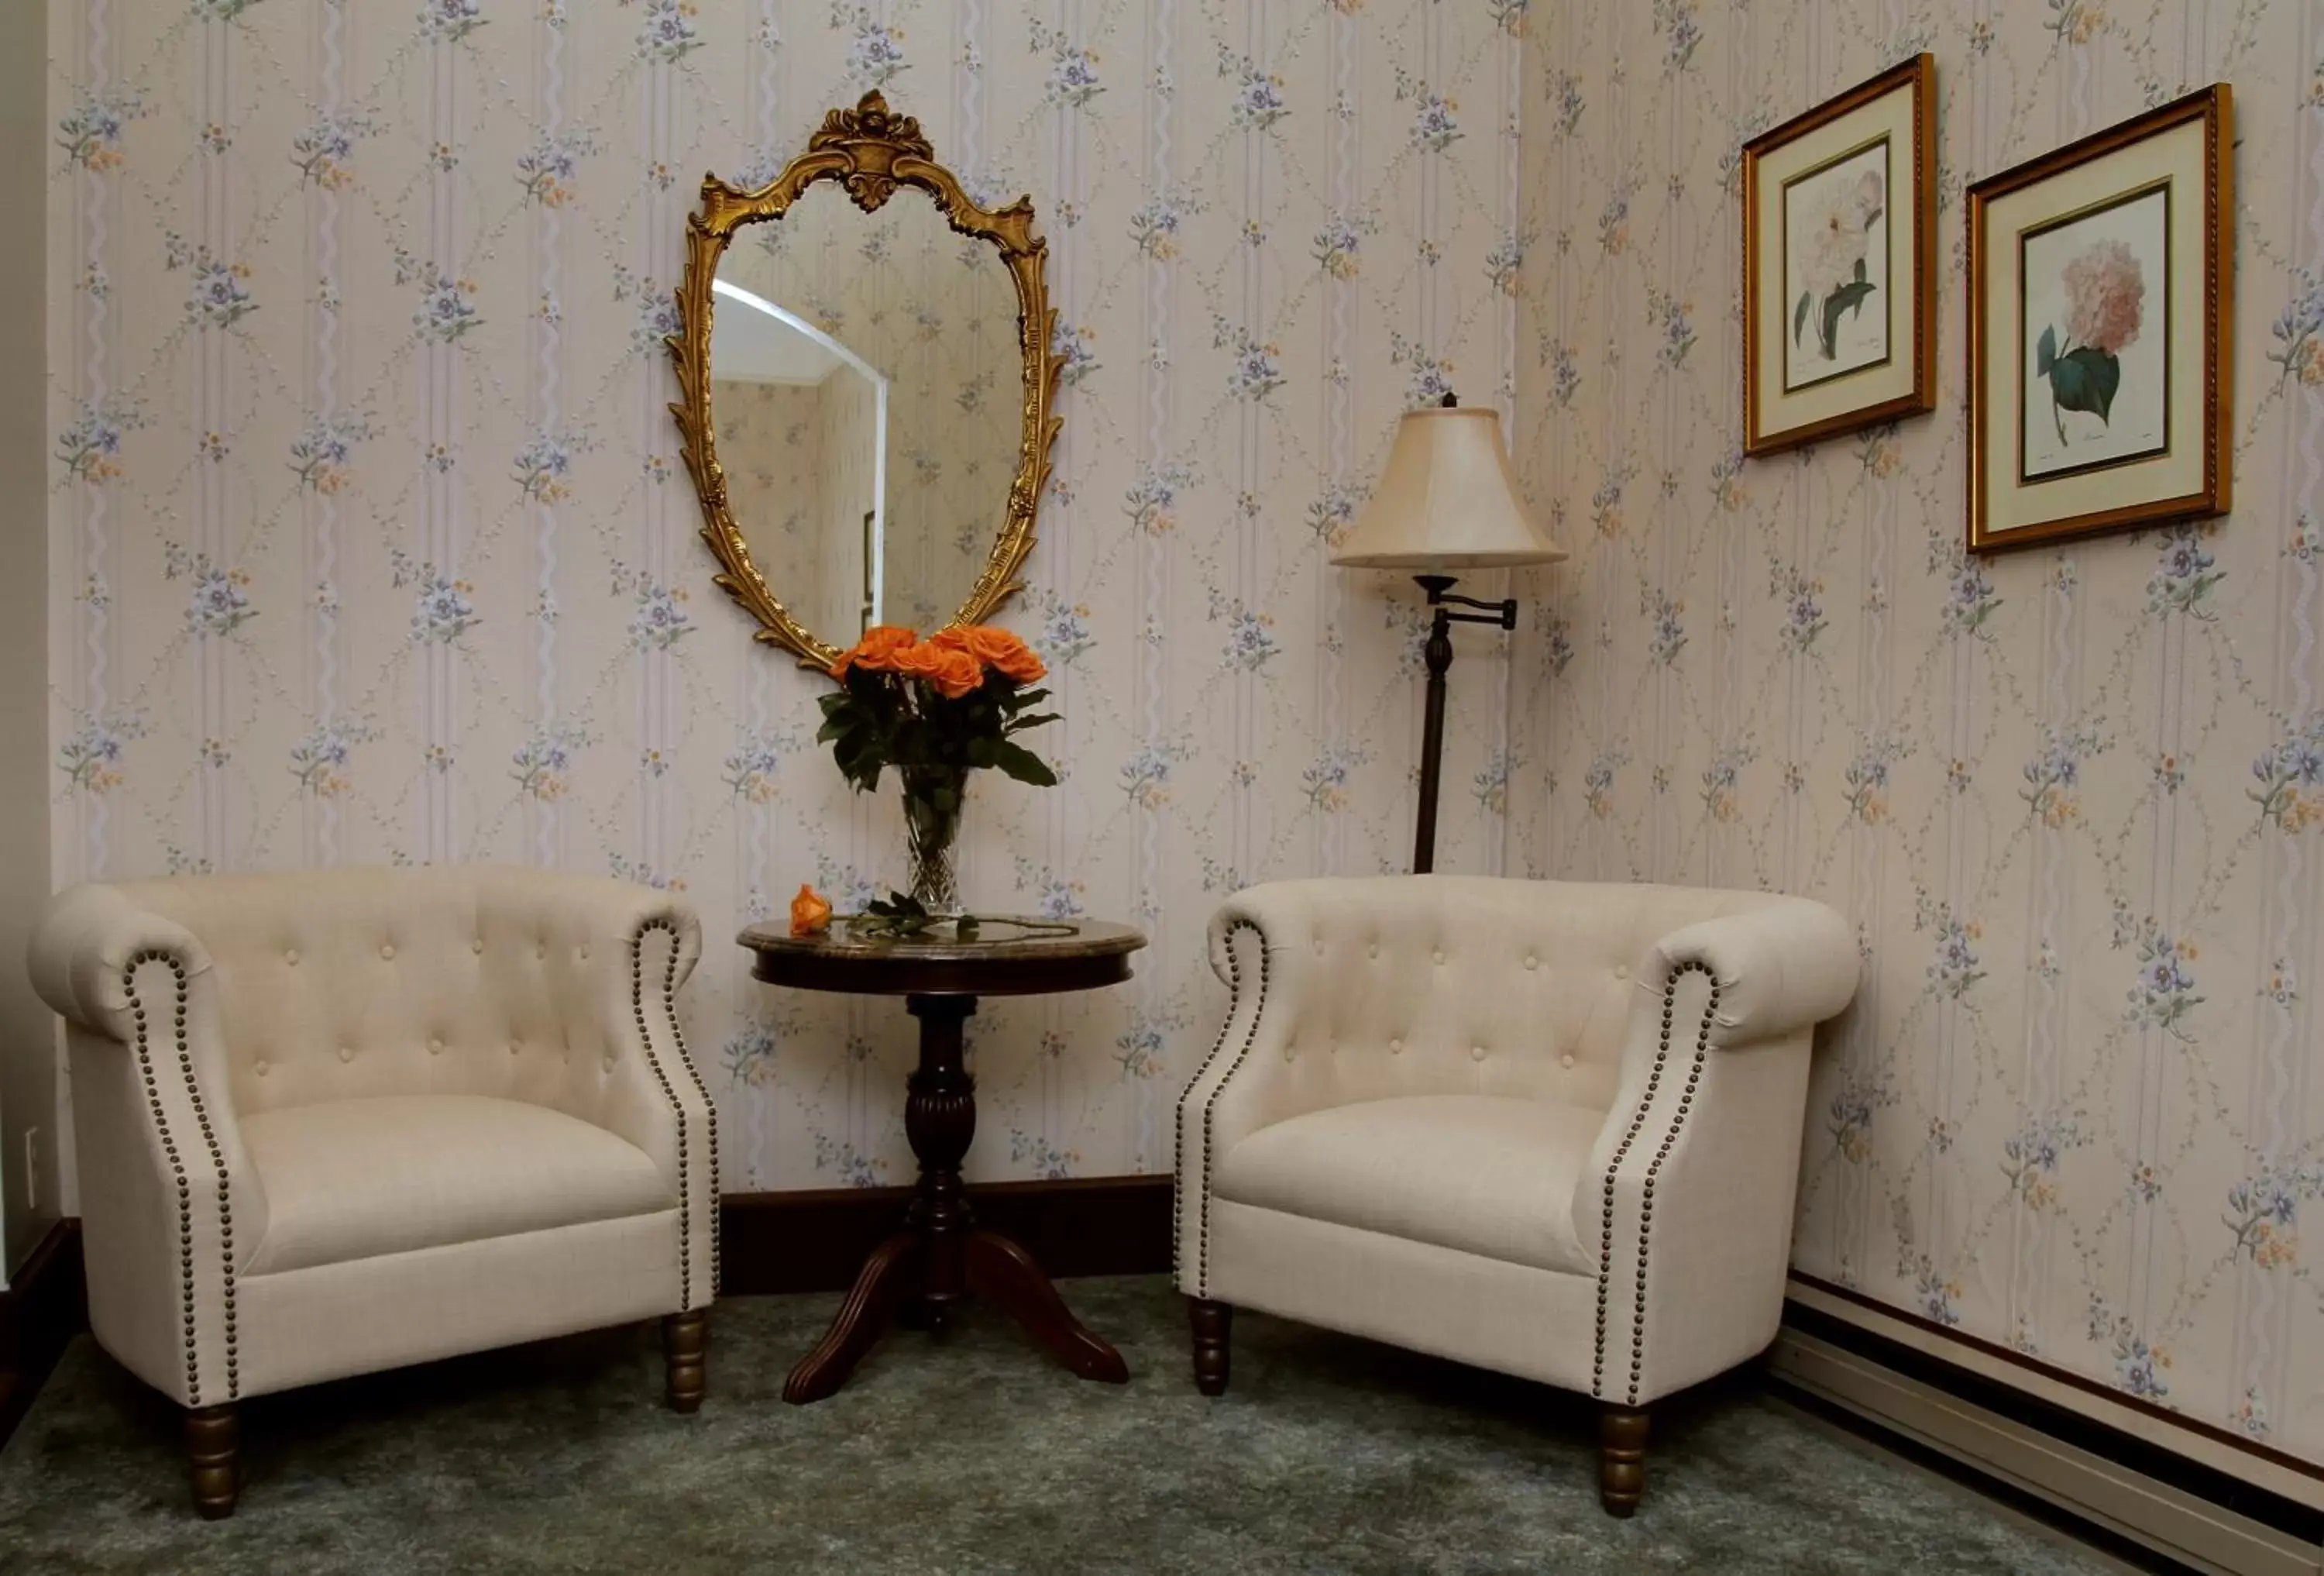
(1249, 935)
(81, 952)
(644, 945)
(1687, 1201)
(174, 1206)
(1786, 966)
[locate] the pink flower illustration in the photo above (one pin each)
(2105, 295)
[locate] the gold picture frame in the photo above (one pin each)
(870, 151)
(2139, 383)
(1820, 200)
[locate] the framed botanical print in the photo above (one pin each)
(2101, 285)
(1840, 263)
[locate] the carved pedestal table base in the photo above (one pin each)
(941, 1257)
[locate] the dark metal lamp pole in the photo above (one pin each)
(1446, 499)
(1438, 653)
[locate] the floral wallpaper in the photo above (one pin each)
(370, 541)
(2070, 798)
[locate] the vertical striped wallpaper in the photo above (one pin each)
(371, 541)
(2071, 798)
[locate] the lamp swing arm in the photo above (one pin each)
(1503, 613)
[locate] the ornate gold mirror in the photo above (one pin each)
(865, 381)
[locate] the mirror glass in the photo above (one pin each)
(864, 390)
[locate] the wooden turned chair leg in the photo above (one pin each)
(684, 1343)
(1213, 1322)
(1621, 1459)
(214, 1459)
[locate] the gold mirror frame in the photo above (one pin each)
(870, 151)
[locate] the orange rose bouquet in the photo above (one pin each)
(935, 710)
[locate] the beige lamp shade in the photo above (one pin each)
(1448, 499)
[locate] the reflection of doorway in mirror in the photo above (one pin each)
(854, 442)
(2095, 335)
(802, 437)
(935, 314)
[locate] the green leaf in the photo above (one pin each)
(1025, 697)
(2045, 353)
(1860, 267)
(1847, 296)
(1035, 721)
(1800, 315)
(2085, 380)
(1022, 764)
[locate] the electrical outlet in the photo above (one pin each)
(32, 1168)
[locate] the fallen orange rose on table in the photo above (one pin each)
(810, 912)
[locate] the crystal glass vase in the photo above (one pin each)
(933, 796)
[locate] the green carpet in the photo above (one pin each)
(1329, 1455)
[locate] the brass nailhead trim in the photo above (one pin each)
(709, 1106)
(225, 1187)
(170, 1151)
(1653, 1168)
(678, 1108)
(1178, 1160)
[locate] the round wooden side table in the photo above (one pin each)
(941, 1257)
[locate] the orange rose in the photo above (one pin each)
(960, 674)
(924, 660)
(1002, 653)
(810, 912)
(876, 652)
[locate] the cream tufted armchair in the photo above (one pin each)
(1547, 1128)
(341, 1120)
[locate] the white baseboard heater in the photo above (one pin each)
(2193, 1495)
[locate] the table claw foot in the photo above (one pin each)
(1001, 1269)
(884, 1280)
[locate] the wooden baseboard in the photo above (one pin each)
(2126, 1488)
(816, 1240)
(43, 1307)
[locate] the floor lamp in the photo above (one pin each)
(1447, 500)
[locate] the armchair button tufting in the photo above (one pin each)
(346, 1053)
(435, 1045)
(259, 1066)
(1476, 1053)
(541, 954)
(1438, 955)
(513, 1047)
(1621, 970)
(1372, 952)
(477, 946)
(1396, 1047)
(1566, 1061)
(387, 951)
(1532, 961)
(609, 1064)
(585, 952)
(291, 956)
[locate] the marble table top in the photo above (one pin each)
(1001, 961)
